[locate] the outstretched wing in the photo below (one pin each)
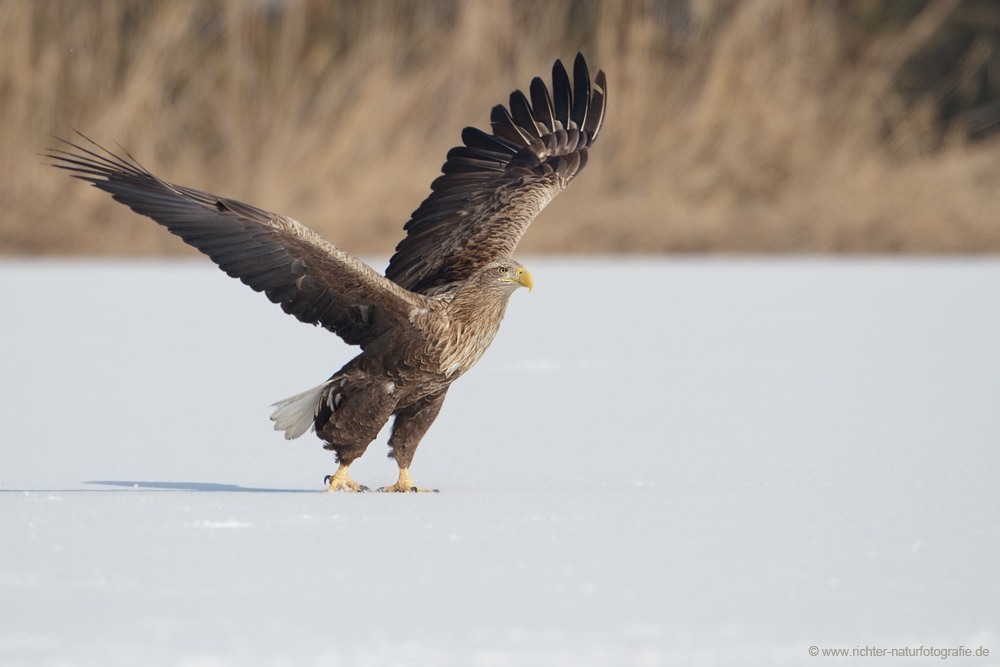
(494, 186)
(311, 278)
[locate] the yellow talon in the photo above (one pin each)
(404, 484)
(340, 481)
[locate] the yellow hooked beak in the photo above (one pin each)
(524, 278)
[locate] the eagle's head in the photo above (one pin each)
(504, 275)
(488, 289)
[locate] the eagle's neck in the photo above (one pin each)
(474, 319)
(479, 307)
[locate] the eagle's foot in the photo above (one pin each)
(404, 485)
(340, 481)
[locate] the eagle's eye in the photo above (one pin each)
(502, 269)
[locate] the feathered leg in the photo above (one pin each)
(408, 429)
(351, 410)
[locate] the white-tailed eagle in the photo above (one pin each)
(438, 307)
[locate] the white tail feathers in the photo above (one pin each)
(296, 415)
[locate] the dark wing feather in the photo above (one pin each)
(520, 112)
(581, 96)
(561, 94)
(493, 187)
(541, 104)
(312, 279)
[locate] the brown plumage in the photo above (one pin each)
(439, 306)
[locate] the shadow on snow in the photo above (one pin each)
(202, 487)
(205, 487)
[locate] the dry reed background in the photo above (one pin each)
(736, 126)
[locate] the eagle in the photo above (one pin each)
(438, 307)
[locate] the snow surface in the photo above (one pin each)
(659, 462)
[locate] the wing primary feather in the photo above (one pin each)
(581, 91)
(541, 103)
(477, 154)
(459, 180)
(520, 111)
(465, 164)
(105, 160)
(473, 137)
(562, 98)
(595, 114)
(505, 127)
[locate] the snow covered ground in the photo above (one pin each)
(659, 462)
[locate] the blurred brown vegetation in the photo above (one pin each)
(734, 125)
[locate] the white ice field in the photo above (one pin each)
(659, 462)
